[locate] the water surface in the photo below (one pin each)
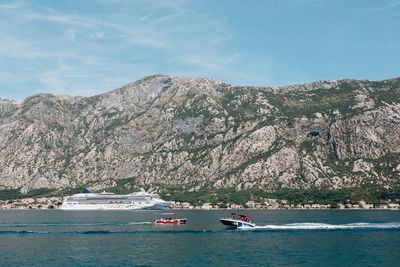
(130, 238)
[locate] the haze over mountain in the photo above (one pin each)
(164, 132)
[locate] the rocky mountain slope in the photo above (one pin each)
(166, 132)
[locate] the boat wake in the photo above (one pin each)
(266, 228)
(323, 226)
(105, 232)
(56, 224)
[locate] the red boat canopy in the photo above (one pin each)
(242, 215)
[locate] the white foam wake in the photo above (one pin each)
(60, 224)
(323, 226)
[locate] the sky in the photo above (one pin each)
(90, 47)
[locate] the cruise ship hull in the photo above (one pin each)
(108, 207)
(110, 201)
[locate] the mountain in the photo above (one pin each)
(165, 132)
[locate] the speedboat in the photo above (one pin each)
(170, 219)
(238, 220)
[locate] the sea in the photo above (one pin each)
(130, 238)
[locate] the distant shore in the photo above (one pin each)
(44, 203)
(245, 209)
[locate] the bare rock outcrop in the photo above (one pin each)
(166, 131)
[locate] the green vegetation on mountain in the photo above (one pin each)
(369, 193)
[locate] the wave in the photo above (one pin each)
(361, 226)
(324, 226)
(102, 232)
(55, 224)
(23, 232)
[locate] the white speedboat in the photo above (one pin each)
(238, 220)
(110, 201)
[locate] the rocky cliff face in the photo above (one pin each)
(164, 131)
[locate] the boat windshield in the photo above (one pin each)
(242, 215)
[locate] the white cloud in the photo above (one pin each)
(134, 43)
(11, 48)
(98, 35)
(71, 34)
(384, 7)
(11, 6)
(231, 69)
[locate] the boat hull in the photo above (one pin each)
(172, 221)
(236, 223)
(110, 201)
(245, 225)
(106, 207)
(229, 222)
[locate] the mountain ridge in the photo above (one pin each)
(167, 132)
(272, 88)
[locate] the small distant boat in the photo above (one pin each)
(169, 218)
(238, 220)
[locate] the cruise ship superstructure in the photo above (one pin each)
(110, 201)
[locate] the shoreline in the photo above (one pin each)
(48, 203)
(225, 209)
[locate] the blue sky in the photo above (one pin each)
(90, 47)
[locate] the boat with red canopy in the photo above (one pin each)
(169, 218)
(238, 220)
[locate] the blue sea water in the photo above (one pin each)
(130, 238)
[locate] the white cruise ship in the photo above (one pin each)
(111, 201)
